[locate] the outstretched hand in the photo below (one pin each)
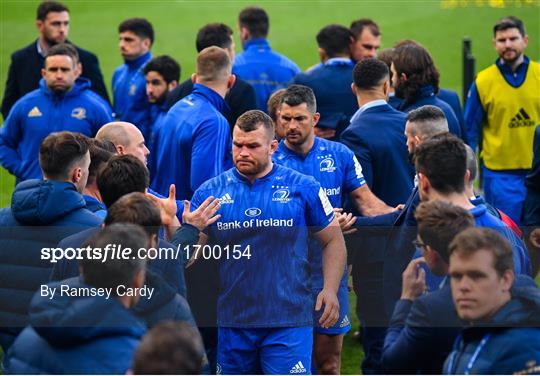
(204, 215)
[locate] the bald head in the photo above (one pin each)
(126, 137)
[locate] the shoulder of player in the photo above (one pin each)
(335, 147)
(220, 182)
(292, 177)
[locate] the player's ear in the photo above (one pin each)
(231, 80)
(316, 118)
(354, 89)
(194, 78)
(273, 146)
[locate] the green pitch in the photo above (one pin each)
(438, 25)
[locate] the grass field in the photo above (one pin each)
(439, 25)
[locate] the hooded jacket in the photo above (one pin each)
(42, 112)
(511, 339)
(75, 335)
(41, 213)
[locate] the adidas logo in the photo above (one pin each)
(226, 199)
(521, 119)
(298, 368)
(344, 322)
(34, 112)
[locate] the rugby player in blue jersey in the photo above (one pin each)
(335, 167)
(265, 305)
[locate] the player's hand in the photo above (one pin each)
(329, 300)
(205, 214)
(325, 132)
(167, 206)
(400, 207)
(414, 280)
(346, 222)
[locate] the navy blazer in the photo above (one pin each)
(376, 136)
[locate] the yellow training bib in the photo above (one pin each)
(512, 114)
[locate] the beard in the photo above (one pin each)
(510, 61)
(250, 167)
(399, 89)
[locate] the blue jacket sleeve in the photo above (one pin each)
(10, 136)
(474, 116)
(362, 153)
(210, 142)
(405, 346)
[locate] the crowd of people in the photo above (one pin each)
(213, 225)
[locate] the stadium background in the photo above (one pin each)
(439, 25)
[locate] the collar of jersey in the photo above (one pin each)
(285, 150)
(139, 62)
(256, 43)
(507, 71)
(211, 96)
(243, 179)
(478, 210)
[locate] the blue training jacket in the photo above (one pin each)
(331, 83)
(427, 96)
(41, 213)
(42, 112)
(264, 69)
(75, 335)
(194, 143)
(130, 102)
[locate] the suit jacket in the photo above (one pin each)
(25, 72)
(376, 136)
(240, 98)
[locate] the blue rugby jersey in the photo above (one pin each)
(336, 168)
(193, 143)
(271, 216)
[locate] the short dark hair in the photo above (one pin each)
(274, 102)
(100, 153)
(47, 7)
(358, 26)
(334, 40)
(428, 121)
(214, 34)
(135, 208)
(255, 19)
(60, 151)
(417, 64)
(166, 66)
(115, 271)
(509, 22)
(439, 222)
(472, 164)
(253, 119)
(443, 160)
(139, 26)
(170, 348)
(121, 175)
(295, 95)
(213, 64)
(475, 239)
(368, 74)
(63, 49)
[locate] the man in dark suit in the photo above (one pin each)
(52, 21)
(423, 324)
(241, 97)
(376, 135)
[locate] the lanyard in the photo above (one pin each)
(473, 359)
